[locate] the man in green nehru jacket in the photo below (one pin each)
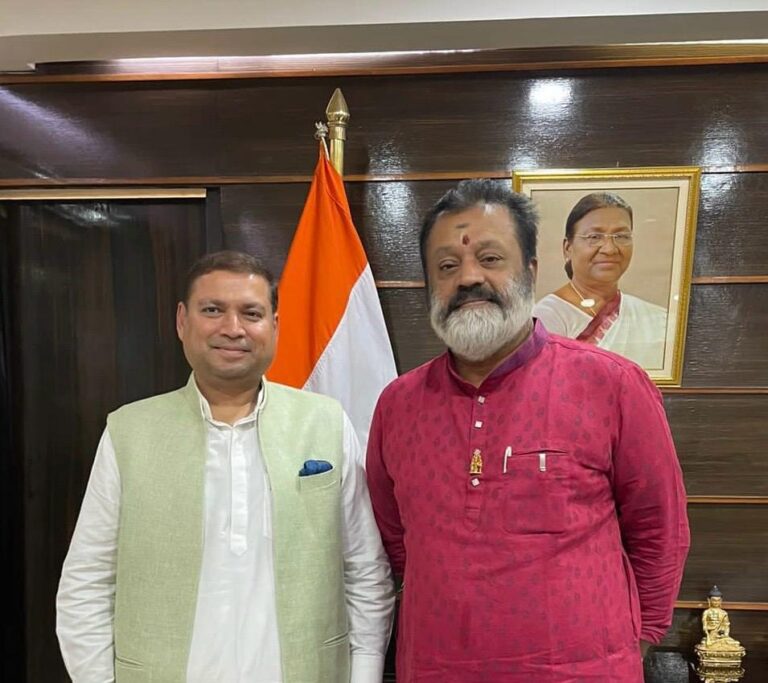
(226, 534)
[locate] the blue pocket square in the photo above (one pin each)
(314, 467)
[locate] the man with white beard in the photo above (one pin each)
(525, 485)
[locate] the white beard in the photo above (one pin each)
(477, 332)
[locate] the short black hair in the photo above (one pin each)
(469, 193)
(231, 262)
(591, 202)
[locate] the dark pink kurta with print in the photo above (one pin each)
(567, 549)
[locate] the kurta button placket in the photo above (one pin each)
(475, 490)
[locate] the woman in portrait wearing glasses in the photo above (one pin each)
(591, 307)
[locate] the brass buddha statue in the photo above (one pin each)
(719, 654)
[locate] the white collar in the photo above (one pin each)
(205, 407)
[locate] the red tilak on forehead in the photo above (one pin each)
(465, 239)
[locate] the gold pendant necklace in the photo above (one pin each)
(585, 302)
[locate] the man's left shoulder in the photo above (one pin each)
(591, 359)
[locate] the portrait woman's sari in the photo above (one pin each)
(627, 325)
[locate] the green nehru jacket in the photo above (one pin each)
(160, 445)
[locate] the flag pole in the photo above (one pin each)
(337, 113)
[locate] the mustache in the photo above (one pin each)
(476, 292)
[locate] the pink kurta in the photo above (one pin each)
(565, 550)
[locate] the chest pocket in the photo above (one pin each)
(536, 485)
(320, 496)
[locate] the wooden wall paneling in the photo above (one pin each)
(729, 548)
(95, 330)
(399, 124)
(725, 345)
(720, 441)
(214, 232)
(179, 233)
(110, 130)
(590, 119)
(412, 338)
(267, 126)
(731, 238)
(261, 220)
(388, 217)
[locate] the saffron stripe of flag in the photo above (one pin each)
(332, 338)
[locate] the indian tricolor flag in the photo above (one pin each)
(332, 338)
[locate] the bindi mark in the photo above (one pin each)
(465, 239)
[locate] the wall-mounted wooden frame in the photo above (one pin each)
(650, 322)
(97, 193)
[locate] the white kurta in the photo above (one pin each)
(235, 637)
(639, 332)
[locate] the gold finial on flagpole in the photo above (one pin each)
(337, 113)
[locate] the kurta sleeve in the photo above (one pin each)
(650, 501)
(85, 600)
(368, 585)
(382, 490)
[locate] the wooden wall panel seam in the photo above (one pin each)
(735, 391)
(736, 606)
(727, 500)
(700, 280)
(730, 280)
(207, 181)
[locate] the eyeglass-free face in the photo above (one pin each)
(601, 248)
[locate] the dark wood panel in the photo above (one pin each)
(729, 548)
(261, 220)
(721, 441)
(414, 343)
(56, 131)
(731, 238)
(472, 121)
(726, 343)
(94, 329)
(388, 216)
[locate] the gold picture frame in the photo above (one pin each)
(665, 202)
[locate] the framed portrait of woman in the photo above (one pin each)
(615, 259)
